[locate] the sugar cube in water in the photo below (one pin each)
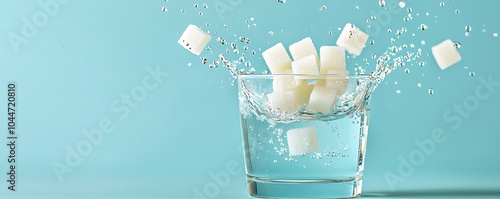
(283, 100)
(303, 49)
(284, 83)
(340, 83)
(352, 39)
(303, 93)
(332, 58)
(302, 140)
(446, 54)
(322, 99)
(277, 59)
(194, 39)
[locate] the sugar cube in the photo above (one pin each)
(283, 100)
(194, 39)
(339, 83)
(303, 49)
(284, 83)
(352, 39)
(322, 99)
(302, 140)
(305, 66)
(303, 93)
(446, 54)
(332, 58)
(277, 59)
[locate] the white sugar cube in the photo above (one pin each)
(352, 39)
(303, 49)
(303, 93)
(305, 66)
(332, 58)
(194, 39)
(322, 99)
(302, 140)
(446, 54)
(284, 83)
(277, 59)
(283, 100)
(339, 83)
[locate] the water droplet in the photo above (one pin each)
(441, 4)
(322, 8)
(468, 28)
(402, 4)
(472, 74)
(271, 33)
(164, 9)
(457, 45)
(431, 91)
(381, 3)
(423, 27)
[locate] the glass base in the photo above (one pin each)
(272, 188)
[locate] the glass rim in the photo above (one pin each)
(320, 76)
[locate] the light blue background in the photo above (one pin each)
(91, 53)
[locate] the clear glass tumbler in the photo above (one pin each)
(304, 136)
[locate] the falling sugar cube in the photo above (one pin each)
(194, 39)
(446, 54)
(332, 58)
(305, 66)
(303, 49)
(322, 99)
(303, 93)
(283, 100)
(302, 140)
(284, 83)
(277, 59)
(352, 39)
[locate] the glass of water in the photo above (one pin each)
(292, 148)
